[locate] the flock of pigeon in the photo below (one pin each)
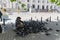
(34, 27)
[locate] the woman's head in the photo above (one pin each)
(18, 18)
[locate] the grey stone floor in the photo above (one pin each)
(10, 35)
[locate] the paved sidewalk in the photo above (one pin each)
(10, 35)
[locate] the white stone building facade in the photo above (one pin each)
(31, 5)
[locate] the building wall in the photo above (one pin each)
(41, 3)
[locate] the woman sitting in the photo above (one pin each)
(19, 24)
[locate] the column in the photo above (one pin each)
(30, 9)
(30, 6)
